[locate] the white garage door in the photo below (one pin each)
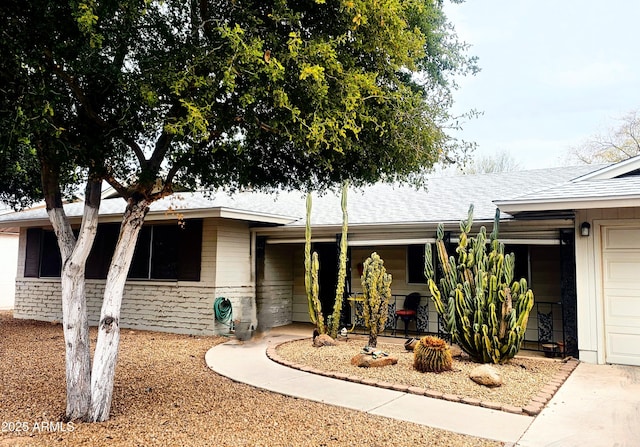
(621, 282)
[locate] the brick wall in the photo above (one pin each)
(185, 308)
(275, 286)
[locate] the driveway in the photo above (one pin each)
(598, 405)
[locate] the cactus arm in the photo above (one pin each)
(307, 262)
(487, 311)
(342, 262)
(315, 288)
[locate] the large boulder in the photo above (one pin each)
(369, 361)
(486, 375)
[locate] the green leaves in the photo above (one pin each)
(269, 94)
(87, 19)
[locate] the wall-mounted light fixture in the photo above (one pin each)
(585, 229)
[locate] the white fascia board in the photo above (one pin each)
(221, 212)
(229, 213)
(516, 206)
(612, 171)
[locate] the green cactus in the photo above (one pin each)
(334, 322)
(432, 354)
(485, 311)
(376, 287)
(311, 267)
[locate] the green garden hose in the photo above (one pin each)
(222, 311)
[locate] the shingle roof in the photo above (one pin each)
(445, 199)
(607, 186)
(589, 190)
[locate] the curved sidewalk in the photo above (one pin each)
(248, 363)
(597, 406)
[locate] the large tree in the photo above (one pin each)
(616, 144)
(147, 94)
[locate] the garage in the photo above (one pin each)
(621, 293)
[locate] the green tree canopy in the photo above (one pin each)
(235, 93)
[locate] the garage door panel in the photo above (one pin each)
(622, 268)
(621, 238)
(623, 347)
(621, 287)
(626, 308)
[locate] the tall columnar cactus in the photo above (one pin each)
(311, 267)
(376, 287)
(432, 354)
(485, 311)
(342, 266)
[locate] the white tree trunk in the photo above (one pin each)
(106, 354)
(74, 307)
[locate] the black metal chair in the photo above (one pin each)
(408, 312)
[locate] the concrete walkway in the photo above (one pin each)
(597, 405)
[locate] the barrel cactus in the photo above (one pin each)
(432, 354)
(484, 310)
(376, 288)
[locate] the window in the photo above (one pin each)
(167, 251)
(415, 264)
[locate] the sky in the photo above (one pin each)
(553, 73)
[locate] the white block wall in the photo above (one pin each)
(183, 308)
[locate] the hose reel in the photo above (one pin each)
(223, 312)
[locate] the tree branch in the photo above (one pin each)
(75, 88)
(137, 150)
(163, 143)
(119, 187)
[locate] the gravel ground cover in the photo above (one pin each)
(523, 377)
(166, 396)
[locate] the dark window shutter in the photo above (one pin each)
(164, 251)
(140, 264)
(51, 264)
(32, 254)
(102, 251)
(190, 250)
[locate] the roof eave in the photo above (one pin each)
(217, 212)
(518, 206)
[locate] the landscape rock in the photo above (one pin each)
(323, 340)
(486, 375)
(410, 344)
(368, 361)
(456, 351)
